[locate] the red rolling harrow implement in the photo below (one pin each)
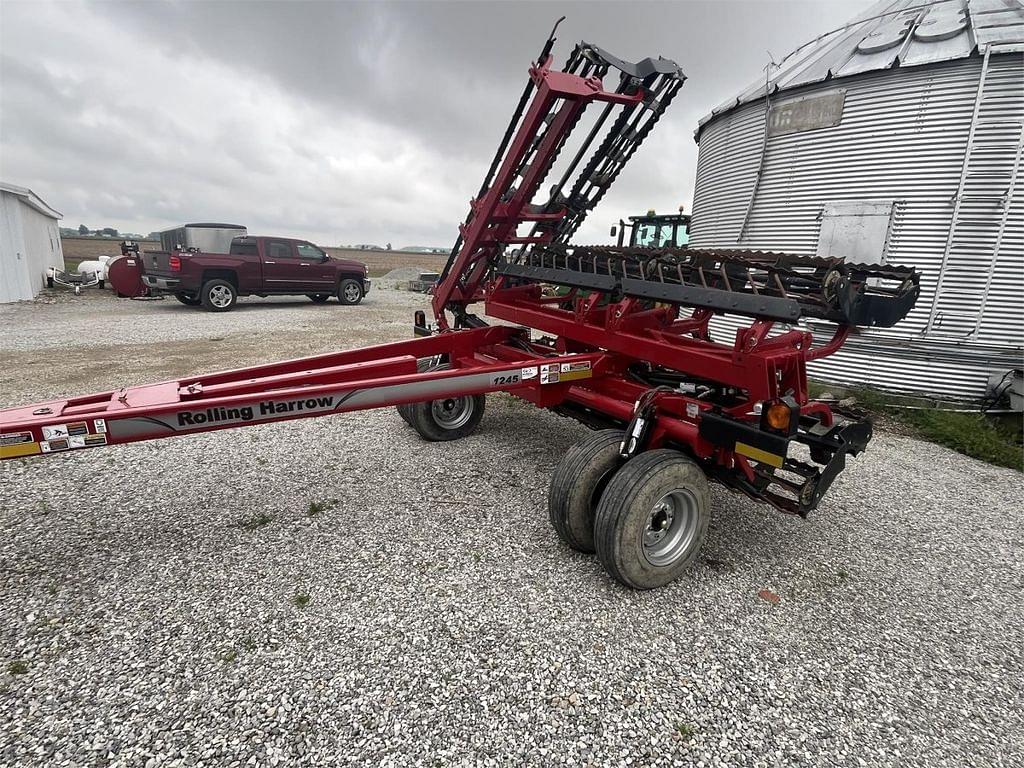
(623, 345)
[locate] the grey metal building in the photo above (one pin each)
(897, 138)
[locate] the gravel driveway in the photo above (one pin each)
(339, 592)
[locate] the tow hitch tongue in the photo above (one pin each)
(615, 337)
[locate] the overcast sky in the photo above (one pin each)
(338, 122)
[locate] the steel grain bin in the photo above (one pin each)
(897, 138)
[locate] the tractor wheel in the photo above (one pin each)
(218, 295)
(577, 484)
(652, 519)
(318, 298)
(350, 291)
(188, 301)
(449, 418)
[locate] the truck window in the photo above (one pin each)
(307, 251)
(244, 249)
(279, 250)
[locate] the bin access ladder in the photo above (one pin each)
(985, 194)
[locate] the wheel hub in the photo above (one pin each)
(220, 296)
(670, 528)
(452, 412)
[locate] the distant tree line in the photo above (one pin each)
(84, 231)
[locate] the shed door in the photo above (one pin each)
(856, 230)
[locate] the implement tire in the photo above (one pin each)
(450, 418)
(652, 519)
(188, 301)
(423, 364)
(577, 484)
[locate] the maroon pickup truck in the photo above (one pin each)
(254, 266)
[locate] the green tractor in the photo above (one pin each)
(670, 230)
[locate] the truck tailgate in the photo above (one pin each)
(156, 263)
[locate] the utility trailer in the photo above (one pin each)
(627, 350)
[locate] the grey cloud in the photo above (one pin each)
(340, 121)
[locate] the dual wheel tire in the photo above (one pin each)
(646, 518)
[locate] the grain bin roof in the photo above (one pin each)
(892, 33)
(31, 199)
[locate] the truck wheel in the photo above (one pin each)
(652, 519)
(188, 301)
(218, 295)
(577, 484)
(350, 291)
(318, 298)
(449, 418)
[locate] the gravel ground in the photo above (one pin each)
(178, 602)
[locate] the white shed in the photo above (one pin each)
(29, 243)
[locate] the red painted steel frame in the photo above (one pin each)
(481, 360)
(493, 223)
(765, 368)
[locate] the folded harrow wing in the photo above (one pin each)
(615, 337)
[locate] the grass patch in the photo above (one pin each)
(255, 522)
(316, 507)
(301, 599)
(972, 434)
(17, 667)
(686, 730)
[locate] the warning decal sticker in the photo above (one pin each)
(66, 437)
(15, 444)
(55, 432)
(577, 370)
(15, 438)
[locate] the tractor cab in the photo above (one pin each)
(652, 231)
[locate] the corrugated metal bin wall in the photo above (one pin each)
(902, 137)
